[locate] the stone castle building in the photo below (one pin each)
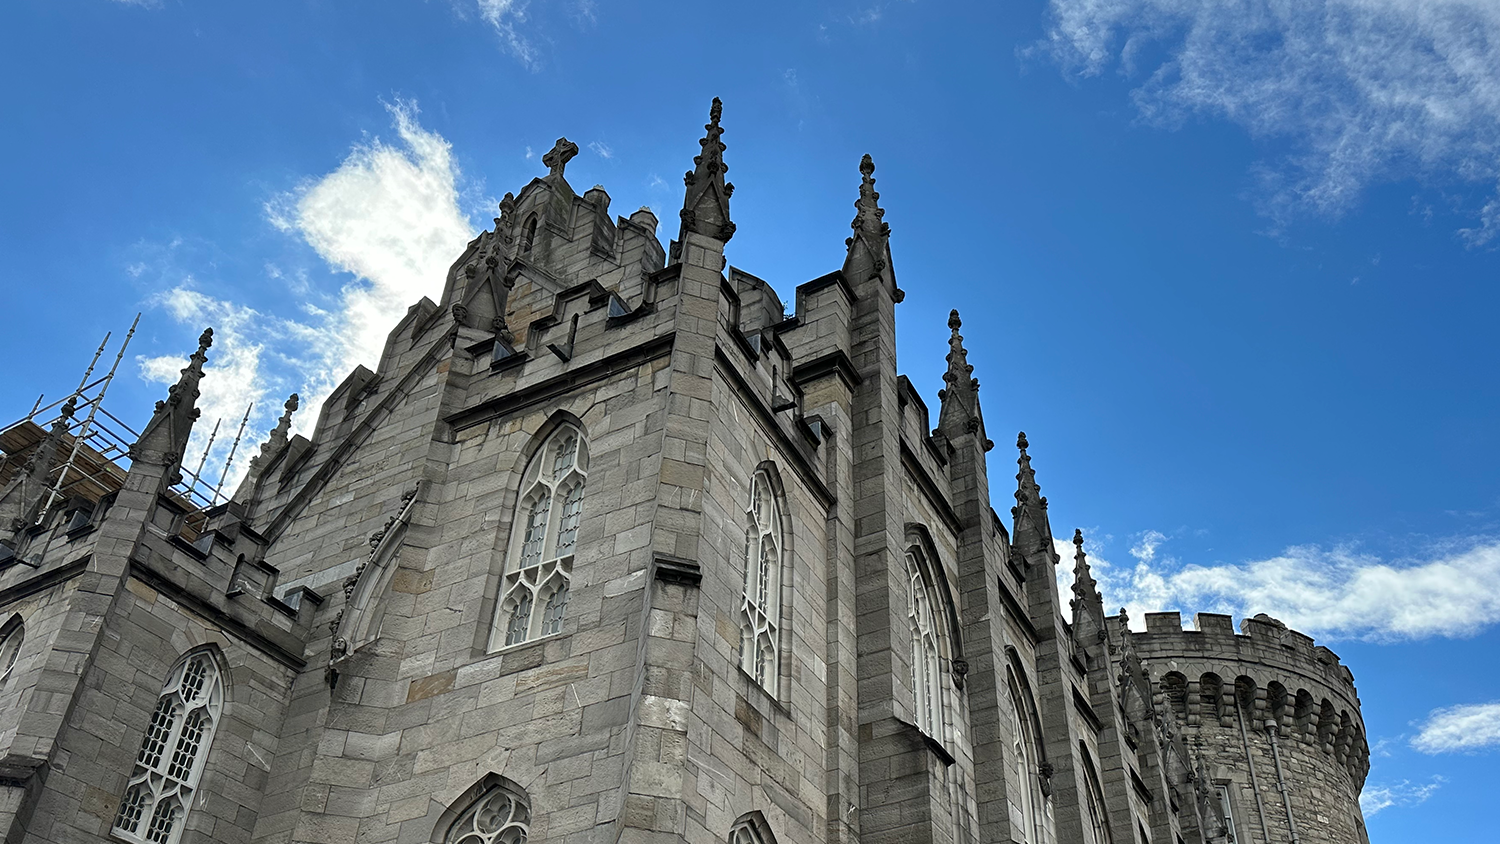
(610, 547)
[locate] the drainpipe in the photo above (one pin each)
(1260, 806)
(1286, 798)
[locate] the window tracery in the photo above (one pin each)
(498, 816)
(170, 762)
(760, 610)
(539, 569)
(926, 671)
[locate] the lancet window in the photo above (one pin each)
(1026, 761)
(10, 650)
(539, 567)
(170, 762)
(926, 663)
(760, 609)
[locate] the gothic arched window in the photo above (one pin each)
(1027, 764)
(1097, 826)
(760, 611)
(751, 829)
(167, 769)
(498, 815)
(926, 668)
(10, 650)
(544, 533)
(528, 235)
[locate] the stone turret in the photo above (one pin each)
(1275, 718)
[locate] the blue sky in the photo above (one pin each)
(1231, 266)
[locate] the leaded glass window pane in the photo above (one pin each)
(760, 609)
(163, 784)
(548, 518)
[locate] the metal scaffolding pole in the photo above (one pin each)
(88, 422)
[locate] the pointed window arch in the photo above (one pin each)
(1027, 757)
(751, 828)
(1096, 827)
(492, 811)
(528, 235)
(164, 783)
(926, 659)
(544, 534)
(12, 636)
(760, 609)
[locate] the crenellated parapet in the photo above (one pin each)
(1280, 683)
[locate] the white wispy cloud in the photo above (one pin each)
(1334, 593)
(388, 216)
(504, 16)
(602, 149)
(233, 379)
(1468, 727)
(1366, 91)
(1374, 798)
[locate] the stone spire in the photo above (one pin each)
(869, 247)
(705, 207)
(1084, 586)
(960, 398)
(275, 442)
(1028, 494)
(166, 435)
(1033, 532)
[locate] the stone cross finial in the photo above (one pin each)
(558, 157)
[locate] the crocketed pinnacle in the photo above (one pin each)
(1027, 491)
(166, 435)
(1084, 586)
(868, 215)
(275, 442)
(705, 206)
(960, 411)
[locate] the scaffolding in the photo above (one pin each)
(97, 444)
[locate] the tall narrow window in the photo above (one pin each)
(1097, 828)
(926, 682)
(497, 815)
(1226, 805)
(528, 235)
(10, 650)
(1027, 764)
(167, 769)
(539, 567)
(760, 611)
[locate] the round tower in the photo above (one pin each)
(1272, 719)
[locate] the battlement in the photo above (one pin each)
(1261, 641)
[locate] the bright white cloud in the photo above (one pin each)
(1365, 90)
(232, 380)
(1374, 798)
(389, 216)
(1334, 593)
(1469, 727)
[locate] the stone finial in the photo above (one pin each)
(558, 157)
(165, 437)
(867, 211)
(1084, 585)
(960, 413)
(1027, 490)
(705, 206)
